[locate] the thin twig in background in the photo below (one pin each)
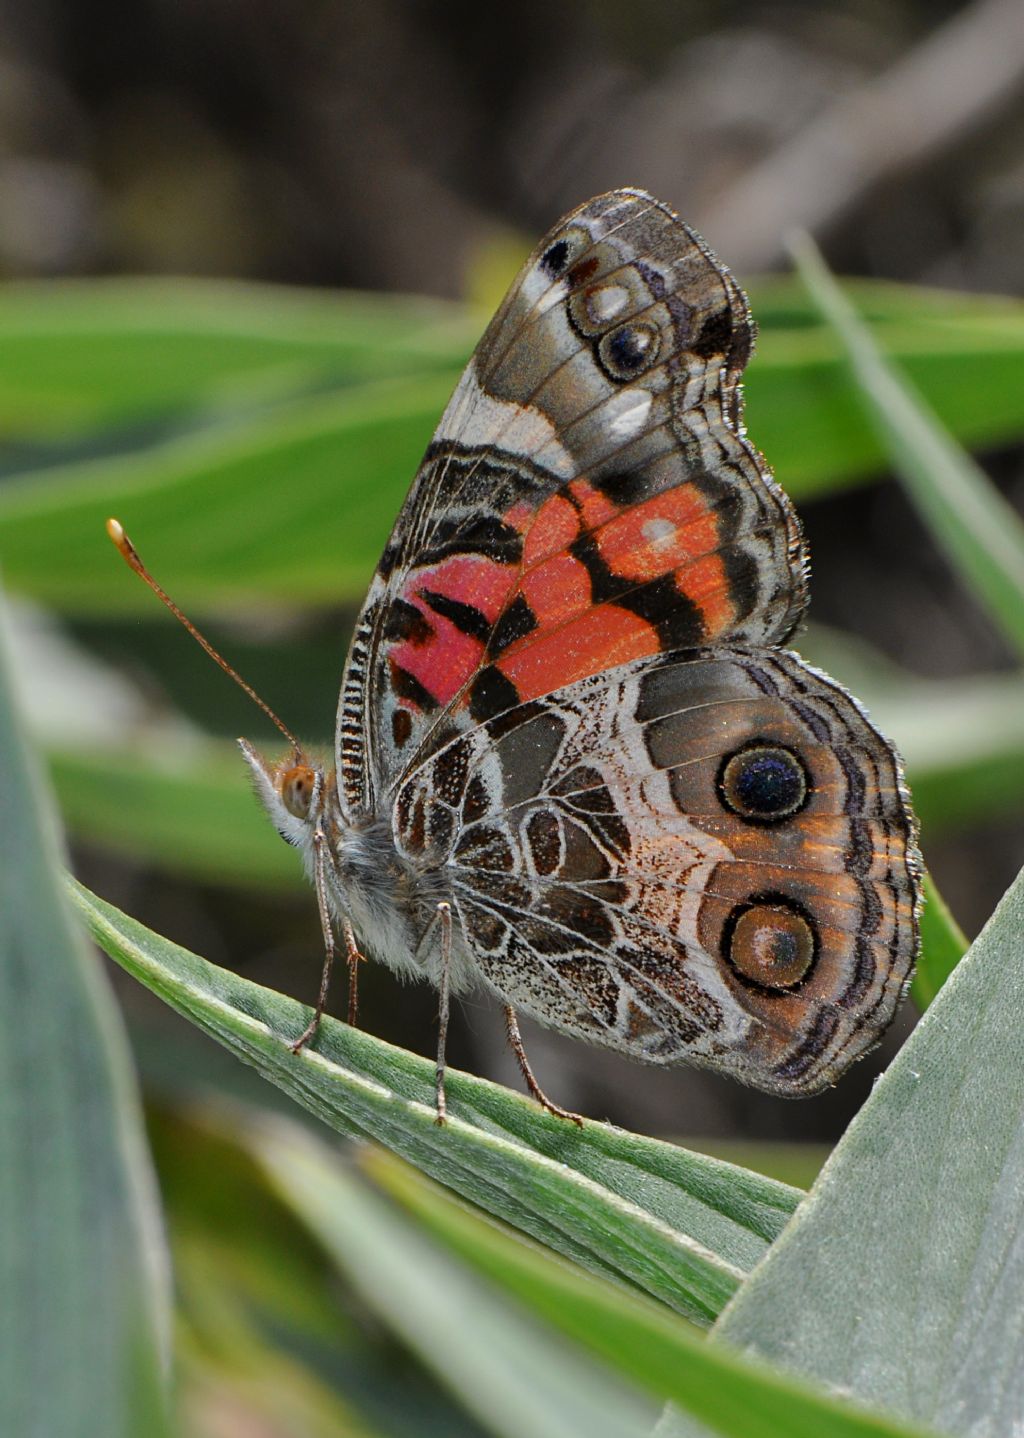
(942, 89)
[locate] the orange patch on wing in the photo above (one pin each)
(554, 529)
(556, 590)
(520, 516)
(597, 640)
(658, 536)
(596, 508)
(707, 584)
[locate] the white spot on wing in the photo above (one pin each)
(540, 291)
(476, 419)
(604, 304)
(659, 531)
(626, 413)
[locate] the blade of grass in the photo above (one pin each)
(981, 535)
(725, 1392)
(190, 811)
(263, 1323)
(511, 1372)
(681, 1226)
(228, 513)
(943, 945)
(84, 1317)
(963, 742)
(83, 356)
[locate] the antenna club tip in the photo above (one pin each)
(121, 542)
(115, 530)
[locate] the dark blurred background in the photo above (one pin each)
(422, 148)
(378, 145)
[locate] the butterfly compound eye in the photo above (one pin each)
(764, 783)
(297, 786)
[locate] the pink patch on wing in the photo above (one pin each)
(442, 663)
(442, 658)
(469, 578)
(520, 516)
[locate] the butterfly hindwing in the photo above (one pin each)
(702, 856)
(588, 498)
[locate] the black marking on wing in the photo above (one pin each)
(660, 602)
(404, 621)
(517, 621)
(466, 617)
(716, 336)
(406, 686)
(554, 258)
(491, 694)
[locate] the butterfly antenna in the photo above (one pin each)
(131, 557)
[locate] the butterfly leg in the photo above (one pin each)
(515, 1040)
(444, 915)
(319, 841)
(354, 959)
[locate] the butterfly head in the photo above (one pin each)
(294, 791)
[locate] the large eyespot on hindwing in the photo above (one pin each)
(771, 942)
(763, 783)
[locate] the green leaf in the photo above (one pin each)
(727, 1393)
(963, 743)
(263, 1326)
(510, 1372)
(943, 945)
(681, 1226)
(293, 504)
(982, 536)
(84, 1320)
(78, 356)
(190, 810)
(961, 738)
(900, 1278)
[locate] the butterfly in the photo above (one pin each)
(574, 764)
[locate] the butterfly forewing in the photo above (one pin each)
(588, 497)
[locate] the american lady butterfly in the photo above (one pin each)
(573, 762)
